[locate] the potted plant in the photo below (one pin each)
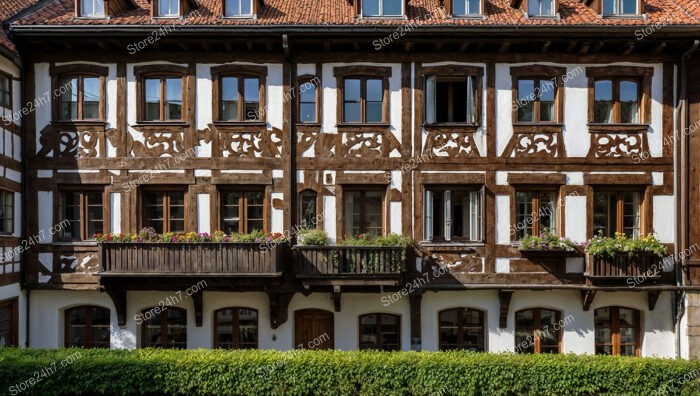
(548, 244)
(622, 256)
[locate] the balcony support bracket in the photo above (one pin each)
(336, 298)
(119, 299)
(504, 297)
(587, 297)
(653, 297)
(279, 307)
(198, 301)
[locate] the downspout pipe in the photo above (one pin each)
(681, 187)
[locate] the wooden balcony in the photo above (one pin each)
(349, 262)
(622, 266)
(187, 259)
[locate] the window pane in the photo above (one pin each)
(173, 97)
(5, 92)
(229, 98)
(627, 317)
(153, 209)
(177, 211)
(459, 7)
(629, 102)
(247, 328)
(251, 98)
(223, 331)
(168, 7)
(99, 7)
(352, 213)
(152, 94)
(91, 98)
(69, 99)
(630, 214)
(254, 211)
(77, 327)
(87, 8)
(604, 215)
(373, 213)
(609, 6)
(307, 102)
(392, 7)
(547, 212)
(547, 94)
(629, 7)
(352, 101)
(233, 7)
(603, 106)
(307, 216)
(533, 7)
(370, 7)
(547, 7)
(71, 211)
(246, 7)
(374, 90)
(231, 210)
(526, 94)
(94, 213)
(523, 214)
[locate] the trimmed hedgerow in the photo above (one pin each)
(217, 372)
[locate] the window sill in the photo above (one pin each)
(348, 125)
(382, 17)
(554, 17)
(309, 124)
(469, 17)
(624, 16)
(79, 122)
(451, 125)
(234, 17)
(91, 18)
(618, 128)
(76, 243)
(240, 123)
(535, 127)
(160, 123)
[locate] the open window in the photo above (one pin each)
(453, 95)
(453, 213)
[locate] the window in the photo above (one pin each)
(164, 210)
(240, 99)
(540, 7)
(308, 98)
(363, 100)
(620, 7)
(466, 7)
(537, 331)
(238, 8)
(87, 327)
(83, 212)
(451, 100)
(9, 322)
(92, 8)
(164, 328)
(535, 211)
(363, 212)
(242, 211)
(168, 8)
(7, 212)
(617, 102)
(452, 214)
(462, 328)
(617, 331)
(537, 100)
(307, 209)
(374, 8)
(80, 98)
(380, 331)
(616, 211)
(163, 98)
(236, 328)
(5, 91)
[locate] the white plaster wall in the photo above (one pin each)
(575, 221)
(503, 226)
(41, 87)
(575, 133)
(329, 217)
(45, 214)
(203, 213)
(204, 105)
(13, 291)
(664, 212)
(277, 220)
(115, 200)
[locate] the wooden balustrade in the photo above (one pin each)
(624, 265)
(348, 261)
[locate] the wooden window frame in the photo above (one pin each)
(537, 325)
(155, 8)
(363, 73)
(236, 327)
(12, 305)
(601, 7)
(452, 188)
(538, 73)
(162, 72)
(362, 190)
(642, 75)
(242, 205)
(619, 207)
(2, 92)
(163, 326)
(11, 214)
(254, 9)
(615, 330)
(460, 331)
(317, 202)
(88, 326)
(165, 190)
(457, 71)
(82, 190)
(59, 73)
(240, 72)
(301, 81)
(379, 345)
(537, 191)
(79, 10)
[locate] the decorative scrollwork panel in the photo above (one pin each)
(450, 144)
(60, 142)
(611, 145)
(256, 144)
(535, 145)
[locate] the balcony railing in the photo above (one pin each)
(623, 265)
(209, 258)
(349, 261)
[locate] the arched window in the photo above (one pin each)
(236, 328)
(617, 331)
(462, 328)
(307, 209)
(87, 326)
(380, 331)
(164, 328)
(538, 330)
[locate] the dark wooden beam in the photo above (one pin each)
(587, 297)
(206, 46)
(415, 299)
(658, 49)
(504, 297)
(356, 46)
(184, 46)
(584, 48)
(570, 47)
(104, 45)
(198, 301)
(336, 298)
(653, 297)
(269, 47)
(504, 47)
(597, 46)
(327, 46)
(250, 46)
(628, 48)
(463, 47)
(118, 297)
(408, 46)
(228, 47)
(545, 46)
(279, 307)
(438, 46)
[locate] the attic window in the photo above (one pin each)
(620, 7)
(238, 8)
(462, 8)
(540, 7)
(92, 8)
(382, 8)
(168, 8)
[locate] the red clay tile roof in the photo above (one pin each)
(341, 12)
(8, 9)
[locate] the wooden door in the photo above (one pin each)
(313, 329)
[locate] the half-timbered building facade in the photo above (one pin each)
(464, 125)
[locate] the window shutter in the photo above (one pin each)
(428, 215)
(430, 100)
(471, 106)
(475, 215)
(448, 215)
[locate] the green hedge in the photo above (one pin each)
(207, 372)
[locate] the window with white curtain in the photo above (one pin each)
(92, 8)
(452, 214)
(450, 100)
(168, 8)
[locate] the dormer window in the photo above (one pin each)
(92, 8)
(168, 8)
(620, 7)
(382, 8)
(540, 8)
(466, 8)
(238, 8)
